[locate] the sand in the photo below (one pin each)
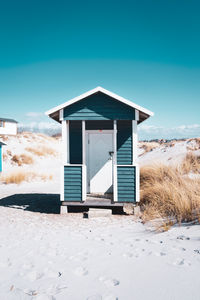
(44, 255)
(51, 256)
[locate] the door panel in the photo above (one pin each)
(100, 162)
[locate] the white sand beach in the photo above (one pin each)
(44, 255)
(51, 256)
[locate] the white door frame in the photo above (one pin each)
(87, 133)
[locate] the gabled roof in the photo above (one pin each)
(8, 120)
(143, 112)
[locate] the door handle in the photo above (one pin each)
(111, 153)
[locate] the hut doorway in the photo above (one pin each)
(99, 161)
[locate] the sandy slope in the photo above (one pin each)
(167, 153)
(17, 145)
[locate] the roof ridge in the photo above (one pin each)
(107, 92)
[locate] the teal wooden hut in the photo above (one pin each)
(1, 156)
(99, 146)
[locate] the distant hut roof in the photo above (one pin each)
(8, 120)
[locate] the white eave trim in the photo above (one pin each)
(96, 90)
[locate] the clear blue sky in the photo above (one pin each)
(146, 51)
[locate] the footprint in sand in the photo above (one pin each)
(197, 251)
(34, 275)
(182, 262)
(128, 255)
(55, 289)
(30, 292)
(98, 238)
(52, 274)
(78, 258)
(183, 237)
(137, 240)
(80, 271)
(109, 282)
(160, 253)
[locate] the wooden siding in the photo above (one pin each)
(73, 183)
(99, 107)
(124, 143)
(75, 142)
(0, 158)
(126, 184)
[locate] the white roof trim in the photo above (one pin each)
(100, 89)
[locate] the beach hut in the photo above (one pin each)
(99, 146)
(8, 126)
(1, 156)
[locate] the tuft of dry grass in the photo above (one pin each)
(15, 177)
(8, 152)
(22, 159)
(191, 163)
(166, 193)
(5, 157)
(41, 151)
(21, 176)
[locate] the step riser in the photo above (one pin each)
(96, 213)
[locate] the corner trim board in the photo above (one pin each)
(134, 141)
(137, 184)
(64, 142)
(83, 143)
(84, 183)
(62, 183)
(115, 189)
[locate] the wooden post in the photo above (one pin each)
(135, 154)
(115, 161)
(83, 143)
(65, 142)
(84, 173)
(135, 138)
(134, 142)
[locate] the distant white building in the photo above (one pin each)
(8, 126)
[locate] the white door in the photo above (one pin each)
(99, 162)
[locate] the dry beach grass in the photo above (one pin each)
(41, 151)
(167, 193)
(20, 176)
(191, 163)
(22, 159)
